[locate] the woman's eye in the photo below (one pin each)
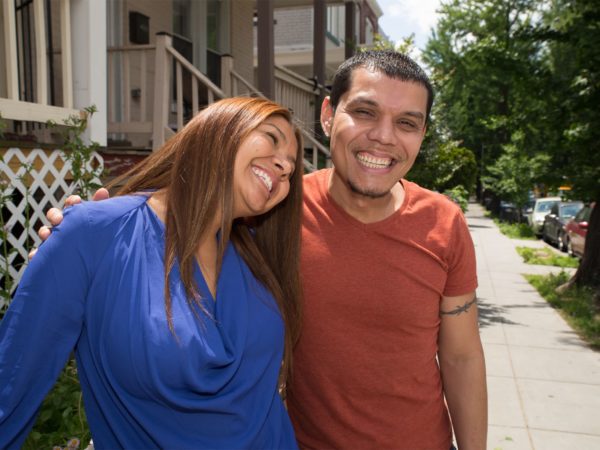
(273, 138)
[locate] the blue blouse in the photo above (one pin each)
(96, 286)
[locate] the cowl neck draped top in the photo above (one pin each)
(97, 286)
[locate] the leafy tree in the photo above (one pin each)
(518, 81)
(406, 45)
(486, 70)
(513, 174)
(444, 166)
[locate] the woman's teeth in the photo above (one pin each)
(264, 177)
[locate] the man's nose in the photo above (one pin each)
(383, 131)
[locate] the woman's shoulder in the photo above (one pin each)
(99, 214)
(116, 205)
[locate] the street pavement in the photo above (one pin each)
(543, 380)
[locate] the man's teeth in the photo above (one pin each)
(264, 177)
(373, 162)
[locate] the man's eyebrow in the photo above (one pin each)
(283, 138)
(367, 101)
(362, 100)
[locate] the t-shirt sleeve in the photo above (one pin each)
(42, 325)
(462, 268)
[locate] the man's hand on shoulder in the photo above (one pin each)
(55, 215)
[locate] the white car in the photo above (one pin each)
(541, 208)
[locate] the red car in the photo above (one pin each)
(576, 230)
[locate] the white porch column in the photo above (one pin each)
(198, 26)
(88, 26)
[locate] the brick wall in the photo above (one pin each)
(294, 26)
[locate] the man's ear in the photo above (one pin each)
(327, 116)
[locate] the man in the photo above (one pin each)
(390, 329)
(388, 273)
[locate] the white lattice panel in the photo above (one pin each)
(45, 186)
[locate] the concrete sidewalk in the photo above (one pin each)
(543, 381)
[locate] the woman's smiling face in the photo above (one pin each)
(264, 163)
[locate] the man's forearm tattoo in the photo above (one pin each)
(459, 309)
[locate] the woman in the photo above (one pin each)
(179, 312)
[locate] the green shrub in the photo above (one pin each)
(61, 420)
(80, 154)
(458, 195)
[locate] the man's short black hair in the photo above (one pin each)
(389, 62)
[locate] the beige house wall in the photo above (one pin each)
(242, 43)
(129, 77)
(160, 13)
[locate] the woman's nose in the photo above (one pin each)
(284, 166)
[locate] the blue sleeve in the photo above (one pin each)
(42, 325)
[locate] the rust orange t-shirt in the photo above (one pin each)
(365, 368)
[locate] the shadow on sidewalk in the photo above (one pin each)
(491, 314)
(474, 215)
(478, 226)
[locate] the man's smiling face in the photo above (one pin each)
(376, 132)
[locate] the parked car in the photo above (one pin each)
(541, 207)
(510, 212)
(576, 230)
(553, 230)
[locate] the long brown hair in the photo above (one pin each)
(196, 168)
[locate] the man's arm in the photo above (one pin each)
(55, 215)
(462, 367)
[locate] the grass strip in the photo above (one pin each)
(576, 305)
(546, 257)
(515, 230)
